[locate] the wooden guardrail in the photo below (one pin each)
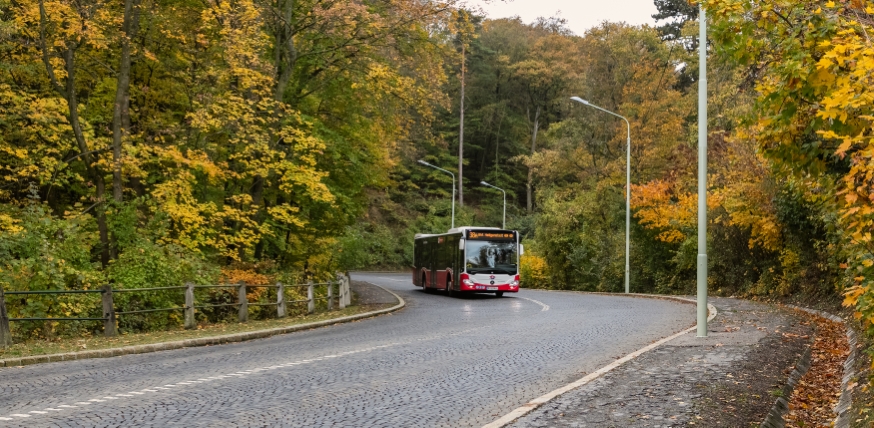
(190, 303)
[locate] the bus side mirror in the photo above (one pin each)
(521, 250)
(461, 244)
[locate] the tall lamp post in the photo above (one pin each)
(504, 221)
(453, 187)
(627, 186)
(702, 173)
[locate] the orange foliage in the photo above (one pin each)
(660, 205)
(236, 275)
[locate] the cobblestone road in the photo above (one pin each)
(441, 361)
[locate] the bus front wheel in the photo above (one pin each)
(499, 293)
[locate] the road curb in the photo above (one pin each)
(202, 341)
(842, 410)
(530, 406)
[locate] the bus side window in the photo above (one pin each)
(453, 256)
(426, 255)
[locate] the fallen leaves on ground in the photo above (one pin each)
(815, 396)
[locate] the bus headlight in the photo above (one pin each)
(515, 282)
(465, 279)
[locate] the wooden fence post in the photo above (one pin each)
(341, 293)
(5, 334)
(189, 306)
(244, 302)
(281, 311)
(348, 289)
(311, 303)
(108, 312)
(330, 296)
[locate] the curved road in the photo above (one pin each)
(440, 361)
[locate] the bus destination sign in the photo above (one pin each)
(491, 236)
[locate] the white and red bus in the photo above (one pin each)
(468, 260)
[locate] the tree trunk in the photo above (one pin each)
(260, 215)
(286, 53)
(120, 109)
(530, 185)
(96, 174)
(68, 92)
(461, 134)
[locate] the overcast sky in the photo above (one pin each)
(580, 14)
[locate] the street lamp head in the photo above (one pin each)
(579, 100)
(484, 183)
(424, 163)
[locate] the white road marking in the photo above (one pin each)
(543, 399)
(396, 280)
(38, 412)
(54, 410)
(6, 419)
(82, 403)
(234, 375)
(96, 400)
(543, 305)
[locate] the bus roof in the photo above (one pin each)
(460, 229)
(464, 228)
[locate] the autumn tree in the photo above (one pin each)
(811, 63)
(235, 134)
(677, 13)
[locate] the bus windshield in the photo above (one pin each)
(490, 257)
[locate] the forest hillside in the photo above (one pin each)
(148, 143)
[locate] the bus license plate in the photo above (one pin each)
(491, 288)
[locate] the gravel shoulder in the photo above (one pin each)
(731, 379)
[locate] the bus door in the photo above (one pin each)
(428, 261)
(451, 260)
(443, 252)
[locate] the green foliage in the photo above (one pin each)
(371, 246)
(580, 235)
(677, 13)
(49, 253)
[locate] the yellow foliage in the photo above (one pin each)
(534, 271)
(814, 84)
(9, 225)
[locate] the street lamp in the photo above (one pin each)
(627, 186)
(702, 173)
(453, 187)
(504, 221)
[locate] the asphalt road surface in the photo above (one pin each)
(441, 361)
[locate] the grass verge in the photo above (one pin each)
(74, 344)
